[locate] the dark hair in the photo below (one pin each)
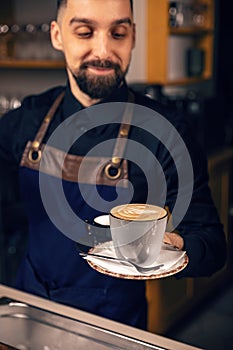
(60, 3)
(63, 2)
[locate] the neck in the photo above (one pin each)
(83, 98)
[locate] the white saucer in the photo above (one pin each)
(173, 261)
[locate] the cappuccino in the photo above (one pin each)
(137, 232)
(138, 212)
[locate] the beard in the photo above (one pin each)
(98, 87)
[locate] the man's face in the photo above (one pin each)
(97, 38)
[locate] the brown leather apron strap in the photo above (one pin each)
(35, 153)
(113, 169)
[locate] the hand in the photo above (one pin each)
(174, 239)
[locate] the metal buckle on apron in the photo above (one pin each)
(113, 170)
(34, 154)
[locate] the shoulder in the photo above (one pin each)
(171, 127)
(31, 112)
(146, 101)
(42, 100)
(164, 110)
(23, 122)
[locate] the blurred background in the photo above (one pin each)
(183, 58)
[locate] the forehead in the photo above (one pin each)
(104, 11)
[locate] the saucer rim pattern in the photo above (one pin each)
(179, 266)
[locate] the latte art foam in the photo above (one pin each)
(138, 212)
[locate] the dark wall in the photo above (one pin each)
(224, 74)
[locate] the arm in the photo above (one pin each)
(200, 232)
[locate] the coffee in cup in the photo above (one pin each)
(137, 232)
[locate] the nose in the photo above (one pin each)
(102, 46)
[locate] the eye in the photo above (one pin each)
(84, 32)
(119, 33)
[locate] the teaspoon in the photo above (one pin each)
(124, 262)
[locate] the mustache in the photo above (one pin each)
(100, 64)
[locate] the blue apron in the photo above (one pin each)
(52, 267)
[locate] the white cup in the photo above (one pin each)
(137, 232)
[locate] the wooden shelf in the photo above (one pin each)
(167, 47)
(185, 81)
(32, 64)
(180, 82)
(193, 31)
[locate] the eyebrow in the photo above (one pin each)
(126, 20)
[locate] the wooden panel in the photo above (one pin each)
(207, 44)
(210, 15)
(166, 299)
(157, 40)
(169, 299)
(221, 171)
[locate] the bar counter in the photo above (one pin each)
(87, 327)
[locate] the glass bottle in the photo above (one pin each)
(14, 30)
(43, 41)
(4, 37)
(26, 42)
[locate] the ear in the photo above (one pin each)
(55, 34)
(134, 35)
